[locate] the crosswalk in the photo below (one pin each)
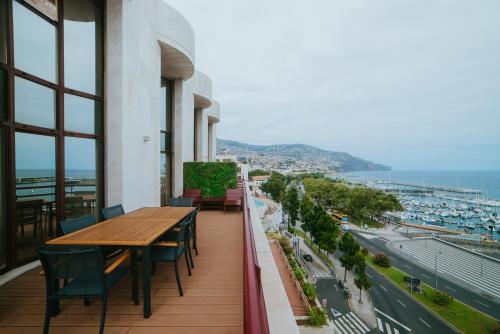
(480, 272)
(389, 325)
(387, 328)
(349, 323)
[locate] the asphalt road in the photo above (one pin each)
(483, 303)
(329, 289)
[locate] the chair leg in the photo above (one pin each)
(153, 271)
(195, 246)
(86, 301)
(189, 253)
(46, 322)
(103, 314)
(187, 264)
(177, 277)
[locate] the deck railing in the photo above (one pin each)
(254, 304)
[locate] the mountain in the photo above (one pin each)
(296, 157)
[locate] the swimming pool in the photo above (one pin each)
(258, 202)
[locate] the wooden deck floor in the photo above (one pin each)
(212, 302)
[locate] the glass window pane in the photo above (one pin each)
(35, 44)
(82, 46)
(165, 178)
(3, 94)
(34, 104)
(3, 31)
(81, 177)
(35, 192)
(163, 103)
(3, 221)
(81, 114)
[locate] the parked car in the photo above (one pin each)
(307, 257)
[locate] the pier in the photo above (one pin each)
(431, 228)
(474, 192)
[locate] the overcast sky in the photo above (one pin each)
(411, 84)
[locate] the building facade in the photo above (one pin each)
(100, 103)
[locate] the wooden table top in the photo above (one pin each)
(138, 228)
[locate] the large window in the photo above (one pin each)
(3, 31)
(166, 141)
(53, 129)
(82, 46)
(35, 41)
(35, 104)
(35, 191)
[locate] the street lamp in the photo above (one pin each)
(435, 271)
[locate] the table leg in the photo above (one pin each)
(146, 280)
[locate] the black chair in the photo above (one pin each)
(168, 251)
(195, 244)
(75, 224)
(84, 269)
(181, 201)
(112, 211)
(190, 233)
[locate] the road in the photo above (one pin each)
(483, 303)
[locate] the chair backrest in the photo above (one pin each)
(83, 263)
(234, 194)
(112, 211)
(28, 210)
(193, 193)
(181, 201)
(72, 225)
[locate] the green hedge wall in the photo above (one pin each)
(213, 178)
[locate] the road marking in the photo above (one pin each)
(380, 325)
(388, 328)
(360, 322)
(401, 303)
(426, 276)
(370, 276)
(336, 288)
(407, 266)
(396, 331)
(425, 322)
(450, 288)
(392, 319)
(477, 301)
(383, 288)
(335, 312)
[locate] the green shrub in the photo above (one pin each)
(442, 298)
(317, 316)
(299, 274)
(364, 251)
(381, 260)
(213, 178)
(285, 244)
(309, 290)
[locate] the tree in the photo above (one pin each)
(361, 280)
(293, 204)
(258, 172)
(306, 213)
(274, 186)
(350, 247)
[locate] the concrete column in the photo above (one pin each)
(204, 136)
(198, 119)
(177, 154)
(212, 141)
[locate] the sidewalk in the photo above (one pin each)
(363, 310)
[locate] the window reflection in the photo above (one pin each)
(82, 46)
(3, 221)
(35, 192)
(35, 44)
(81, 181)
(3, 94)
(3, 31)
(81, 114)
(35, 104)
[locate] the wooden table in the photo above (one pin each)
(135, 230)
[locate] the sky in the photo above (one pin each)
(411, 84)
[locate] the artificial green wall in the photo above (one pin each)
(213, 178)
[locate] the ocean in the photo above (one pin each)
(487, 182)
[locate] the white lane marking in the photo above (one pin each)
(450, 288)
(335, 312)
(396, 331)
(380, 325)
(369, 276)
(354, 322)
(426, 276)
(401, 303)
(336, 288)
(392, 319)
(477, 301)
(365, 327)
(425, 322)
(407, 266)
(388, 328)
(341, 329)
(383, 288)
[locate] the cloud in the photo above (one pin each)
(411, 84)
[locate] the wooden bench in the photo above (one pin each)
(234, 198)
